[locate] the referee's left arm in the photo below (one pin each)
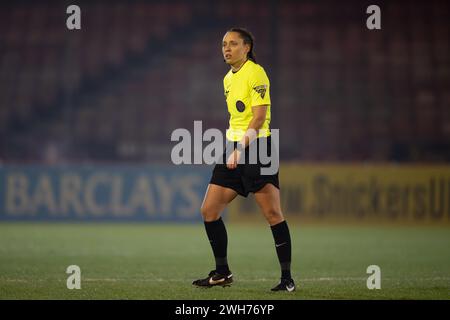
(259, 116)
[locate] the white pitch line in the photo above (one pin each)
(237, 279)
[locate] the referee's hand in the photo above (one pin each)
(233, 159)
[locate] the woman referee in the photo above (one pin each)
(246, 88)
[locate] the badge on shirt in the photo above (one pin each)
(261, 90)
(240, 106)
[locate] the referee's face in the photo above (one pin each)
(234, 49)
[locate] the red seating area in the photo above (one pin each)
(355, 93)
(41, 57)
(340, 92)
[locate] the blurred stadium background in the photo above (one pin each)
(85, 123)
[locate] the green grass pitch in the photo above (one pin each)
(159, 261)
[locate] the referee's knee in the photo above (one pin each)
(273, 216)
(209, 214)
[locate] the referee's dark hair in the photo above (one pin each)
(248, 39)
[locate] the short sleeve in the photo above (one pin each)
(260, 85)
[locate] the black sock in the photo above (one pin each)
(217, 235)
(282, 239)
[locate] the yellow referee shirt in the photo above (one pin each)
(244, 89)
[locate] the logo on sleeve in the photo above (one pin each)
(261, 90)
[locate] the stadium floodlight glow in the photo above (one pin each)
(187, 146)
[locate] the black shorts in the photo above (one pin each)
(247, 176)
